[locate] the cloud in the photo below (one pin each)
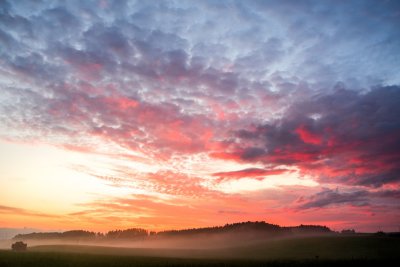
(157, 213)
(333, 197)
(345, 137)
(24, 212)
(359, 198)
(170, 183)
(248, 173)
(175, 86)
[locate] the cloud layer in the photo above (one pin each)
(207, 97)
(346, 137)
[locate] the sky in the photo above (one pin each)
(180, 114)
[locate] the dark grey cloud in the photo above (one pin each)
(346, 137)
(329, 197)
(333, 197)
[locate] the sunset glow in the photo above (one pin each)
(180, 114)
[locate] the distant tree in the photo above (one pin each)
(348, 231)
(133, 233)
(19, 246)
(49, 235)
(380, 233)
(234, 228)
(99, 235)
(310, 229)
(74, 234)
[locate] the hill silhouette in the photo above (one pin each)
(258, 229)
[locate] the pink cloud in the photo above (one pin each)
(307, 136)
(250, 172)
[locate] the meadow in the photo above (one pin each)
(311, 251)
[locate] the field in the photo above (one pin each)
(315, 251)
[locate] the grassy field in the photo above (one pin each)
(321, 251)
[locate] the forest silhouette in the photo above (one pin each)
(248, 229)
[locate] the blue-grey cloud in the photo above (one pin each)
(346, 137)
(329, 197)
(254, 78)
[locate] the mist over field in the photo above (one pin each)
(239, 244)
(316, 248)
(239, 240)
(210, 237)
(220, 237)
(203, 241)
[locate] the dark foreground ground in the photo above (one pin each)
(316, 251)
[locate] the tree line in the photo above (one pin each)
(259, 227)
